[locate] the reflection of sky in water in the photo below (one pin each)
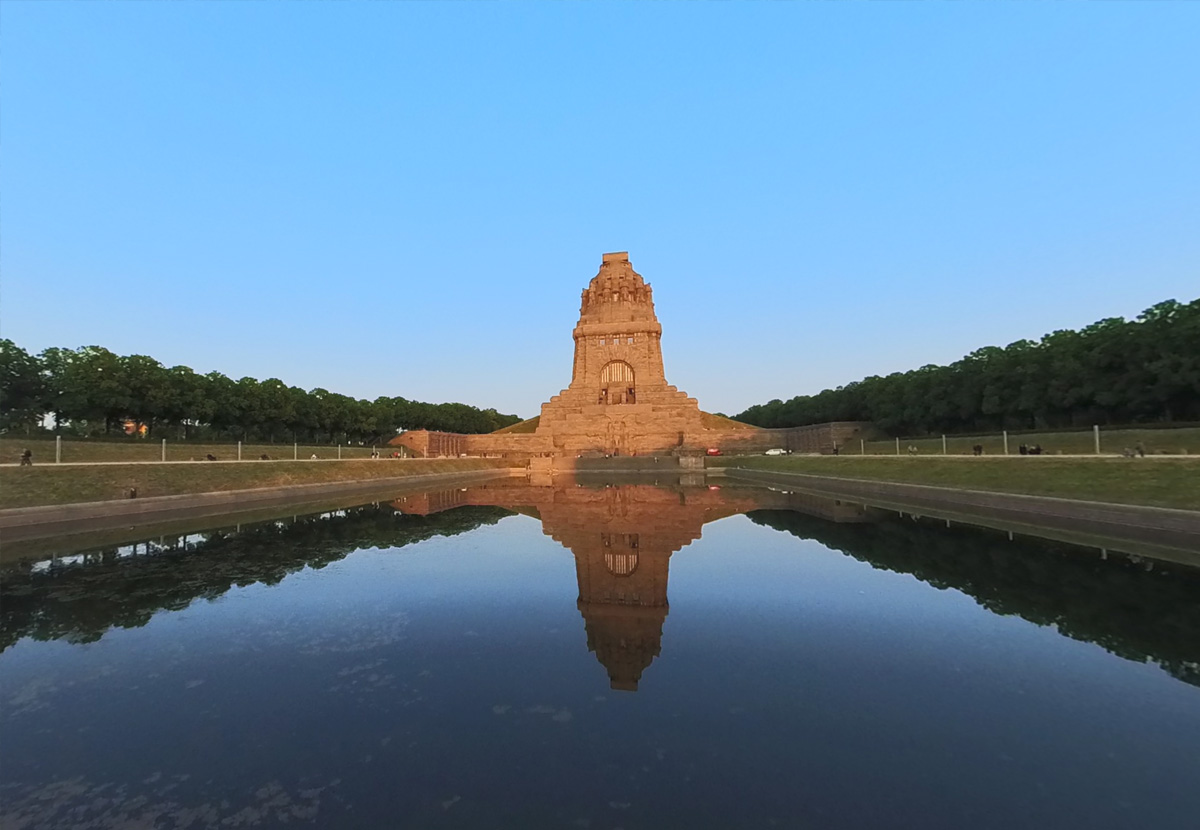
(448, 684)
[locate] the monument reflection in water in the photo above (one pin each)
(412, 663)
(622, 536)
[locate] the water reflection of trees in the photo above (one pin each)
(1138, 614)
(1117, 604)
(80, 603)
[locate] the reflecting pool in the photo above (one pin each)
(593, 654)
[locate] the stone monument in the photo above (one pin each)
(619, 402)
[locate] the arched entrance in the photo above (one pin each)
(616, 383)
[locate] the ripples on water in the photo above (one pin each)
(506, 656)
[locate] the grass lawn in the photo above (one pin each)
(50, 484)
(1161, 482)
(1183, 440)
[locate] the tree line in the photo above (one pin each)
(1115, 371)
(92, 391)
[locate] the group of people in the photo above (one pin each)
(1024, 449)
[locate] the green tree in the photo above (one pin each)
(147, 390)
(223, 403)
(187, 404)
(23, 388)
(97, 387)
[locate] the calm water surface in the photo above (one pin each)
(505, 656)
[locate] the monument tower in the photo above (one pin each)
(619, 402)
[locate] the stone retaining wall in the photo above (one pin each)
(815, 438)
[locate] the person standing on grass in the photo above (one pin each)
(26, 457)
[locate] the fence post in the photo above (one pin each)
(1006, 442)
(1096, 436)
(57, 449)
(897, 445)
(296, 452)
(164, 450)
(943, 445)
(239, 450)
(862, 447)
(339, 452)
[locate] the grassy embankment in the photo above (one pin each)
(83, 450)
(521, 428)
(719, 422)
(51, 484)
(1176, 441)
(1160, 482)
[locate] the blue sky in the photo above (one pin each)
(407, 199)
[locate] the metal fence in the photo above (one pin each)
(1098, 440)
(69, 450)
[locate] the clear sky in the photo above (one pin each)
(407, 199)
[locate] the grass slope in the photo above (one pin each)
(708, 420)
(722, 423)
(523, 428)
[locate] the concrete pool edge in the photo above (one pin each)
(19, 523)
(1174, 533)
